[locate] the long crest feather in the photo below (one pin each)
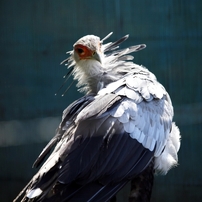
(106, 37)
(115, 44)
(66, 77)
(69, 62)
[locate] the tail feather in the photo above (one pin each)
(169, 158)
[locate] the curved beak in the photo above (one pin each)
(97, 57)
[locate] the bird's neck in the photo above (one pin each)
(89, 74)
(92, 76)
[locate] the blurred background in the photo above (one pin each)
(34, 37)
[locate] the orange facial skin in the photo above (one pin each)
(83, 52)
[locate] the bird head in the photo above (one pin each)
(88, 48)
(95, 64)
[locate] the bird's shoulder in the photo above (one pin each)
(137, 84)
(145, 109)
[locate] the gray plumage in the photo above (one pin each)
(121, 130)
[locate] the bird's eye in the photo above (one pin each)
(93, 53)
(80, 50)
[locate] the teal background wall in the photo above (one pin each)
(34, 37)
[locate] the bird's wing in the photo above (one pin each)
(68, 116)
(105, 140)
(98, 156)
(146, 112)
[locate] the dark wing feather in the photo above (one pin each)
(94, 153)
(93, 192)
(68, 115)
(103, 167)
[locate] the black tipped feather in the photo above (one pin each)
(113, 45)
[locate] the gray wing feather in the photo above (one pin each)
(98, 106)
(145, 111)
